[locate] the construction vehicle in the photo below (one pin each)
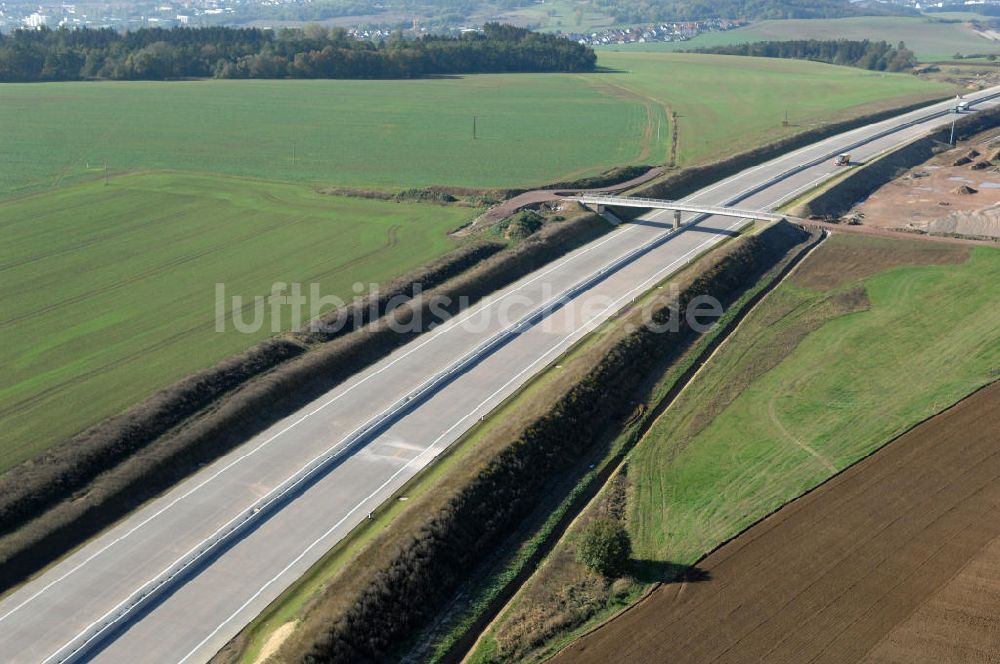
(842, 160)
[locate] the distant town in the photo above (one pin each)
(281, 13)
(662, 32)
(176, 13)
(370, 20)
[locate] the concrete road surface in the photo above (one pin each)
(47, 619)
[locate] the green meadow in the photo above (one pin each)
(814, 378)
(109, 291)
(530, 128)
(108, 287)
(377, 134)
(727, 104)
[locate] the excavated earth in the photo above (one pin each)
(957, 193)
(897, 559)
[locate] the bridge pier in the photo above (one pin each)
(677, 219)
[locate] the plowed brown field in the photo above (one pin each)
(897, 559)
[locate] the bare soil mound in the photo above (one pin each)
(896, 559)
(984, 223)
(920, 200)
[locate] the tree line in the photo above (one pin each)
(874, 55)
(313, 52)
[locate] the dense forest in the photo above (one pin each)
(647, 11)
(877, 56)
(314, 52)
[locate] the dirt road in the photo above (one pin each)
(895, 560)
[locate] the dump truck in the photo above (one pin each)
(842, 160)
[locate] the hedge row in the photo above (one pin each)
(89, 496)
(31, 487)
(421, 578)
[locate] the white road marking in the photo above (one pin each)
(454, 324)
(472, 414)
(483, 307)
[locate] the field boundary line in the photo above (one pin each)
(720, 545)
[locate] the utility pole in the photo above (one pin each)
(953, 121)
(105, 172)
(784, 123)
(674, 138)
(293, 154)
(473, 127)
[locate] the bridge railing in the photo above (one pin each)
(663, 204)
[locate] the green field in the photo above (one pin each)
(109, 291)
(930, 39)
(747, 98)
(562, 15)
(109, 288)
(811, 381)
(393, 134)
(383, 134)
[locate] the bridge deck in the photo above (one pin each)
(661, 204)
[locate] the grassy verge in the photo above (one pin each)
(542, 624)
(490, 436)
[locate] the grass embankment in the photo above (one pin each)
(110, 289)
(84, 483)
(531, 128)
(931, 38)
(865, 339)
(480, 452)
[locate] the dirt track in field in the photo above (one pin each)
(897, 559)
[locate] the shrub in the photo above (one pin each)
(604, 547)
(523, 224)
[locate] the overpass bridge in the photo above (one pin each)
(600, 201)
